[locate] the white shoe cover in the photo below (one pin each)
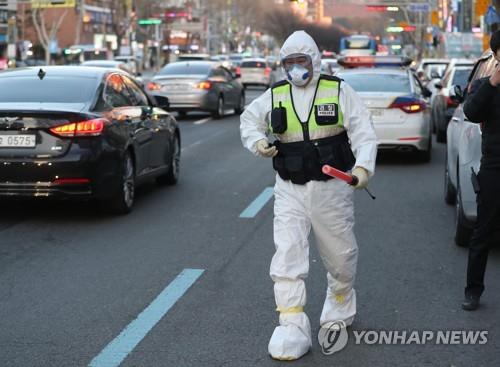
(289, 341)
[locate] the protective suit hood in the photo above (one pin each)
(301, 42)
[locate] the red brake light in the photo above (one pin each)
(238, 70)
(154, 86)
(408, 105)
(71, 181)
(204, 85)
(267, 71)
(451, 103)
(83, 128)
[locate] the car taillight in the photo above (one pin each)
(71, 181)
(204, 85)
(83, 128)
(408, 104)
(154, 86)
(238, 70)
(451, 103)
(267, 71)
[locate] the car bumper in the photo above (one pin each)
(80, 173)
(405, 136)
(203, 101)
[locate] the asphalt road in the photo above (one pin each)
(72, 279)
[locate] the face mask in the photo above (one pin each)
(298, 75)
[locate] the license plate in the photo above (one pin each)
(376, 112)
(17, 141)
(171, 87)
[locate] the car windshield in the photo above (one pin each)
(253, 64)
(52, 89)
(370, 82)
(460, 77)
(185, 69)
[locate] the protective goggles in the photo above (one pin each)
(296, 59)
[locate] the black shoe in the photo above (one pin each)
(470, 303)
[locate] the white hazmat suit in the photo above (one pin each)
(324, 206)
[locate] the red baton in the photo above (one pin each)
(333, 172)
(349, 179)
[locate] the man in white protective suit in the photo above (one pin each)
(316, 120)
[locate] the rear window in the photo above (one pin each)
(358, 44)
(369, 82)
(253, 64)
(185, 69)
(52, 89)
(460, 77)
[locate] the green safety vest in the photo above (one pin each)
(326, 96)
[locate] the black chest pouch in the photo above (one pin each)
(278, 120)
(326, 114)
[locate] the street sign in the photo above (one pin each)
(419, 7)
(39, 4)
(149, 21)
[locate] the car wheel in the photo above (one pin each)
(450, 194)
(172, 175)
(425, 155)
(123, 200)
(463, 229)
(241, 105)
(440, 135)
(219, 112)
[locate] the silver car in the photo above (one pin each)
(399, 107)
(463, 155)
(199, 86)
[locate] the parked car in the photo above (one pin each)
(329, 66)
(255, 71)
(397, 101)
(133, 64)
(431, 69)
(443, 106)
(463, 154)
(199, 86)
(84, 133)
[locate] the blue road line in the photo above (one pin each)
(253, 209)
(120, 347)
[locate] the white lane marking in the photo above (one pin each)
(198, 142)
(120, 347)
(202, 121)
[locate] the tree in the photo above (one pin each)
(46, 35)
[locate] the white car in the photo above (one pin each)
(255, 72)
(463, 154)
(399, 107)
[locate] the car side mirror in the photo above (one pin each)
(146, 112)
(426, 92)
(438, 85)
(435, 75)
(162, 102)
(457, 94)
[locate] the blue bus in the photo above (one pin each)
(358, 45)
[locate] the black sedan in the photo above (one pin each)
(199, 86)
(83, 132)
